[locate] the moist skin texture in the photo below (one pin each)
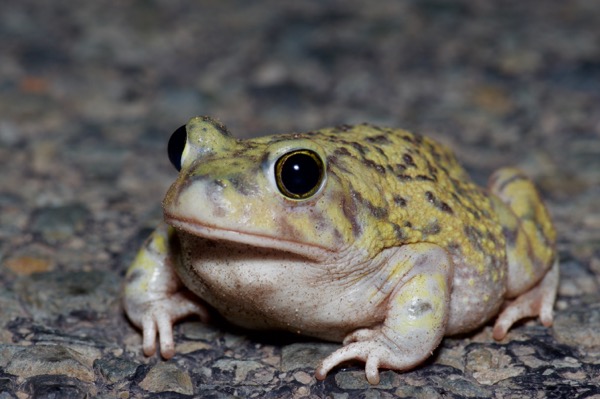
(392, 250)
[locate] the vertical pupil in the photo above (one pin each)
(301, 173)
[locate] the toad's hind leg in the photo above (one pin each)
(530, 249)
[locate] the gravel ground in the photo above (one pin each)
(90, 92)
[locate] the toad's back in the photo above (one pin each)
(405, 188)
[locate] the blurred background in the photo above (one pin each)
(89, 94)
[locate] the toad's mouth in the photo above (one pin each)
(311, 251)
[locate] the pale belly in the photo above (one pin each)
(264, 289)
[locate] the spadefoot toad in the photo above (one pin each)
(371, 236)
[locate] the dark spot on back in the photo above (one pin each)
(425, 178)
(400, 168)
(332, 161)
(400, 233)
(429, 196)
(474, 235)
(432, 229)
(359, 147)
(374, 165)
(408, 160)
(381, 152)
(492, 238)
(342, 151)
(435, 154)
(380, 139)
(441, 205)
(446, 208)
(398, 200)
(431, 169)
(377, 211)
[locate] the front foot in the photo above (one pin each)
(154, 297)
(417, 312)
(158, 317)
(374, 348)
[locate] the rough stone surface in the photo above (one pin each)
(89, 94)
(304, 355)
(116, 369)
(49, 359)
(56, 386)
(58, 223)
(167, 377)
(586, 337)
(65, 294)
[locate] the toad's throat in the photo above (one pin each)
(311, 251)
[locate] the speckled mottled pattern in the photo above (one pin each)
(90, 93)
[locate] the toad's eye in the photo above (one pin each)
(176, 146)
(299, 174)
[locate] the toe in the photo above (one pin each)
(149, 337)
(372, 370)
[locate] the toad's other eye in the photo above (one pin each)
(299, 174)
(176, 146)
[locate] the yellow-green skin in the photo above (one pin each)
(396, 249)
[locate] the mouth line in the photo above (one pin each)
(310, 251)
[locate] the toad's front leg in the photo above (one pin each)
(415, 320)
(154, 296)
